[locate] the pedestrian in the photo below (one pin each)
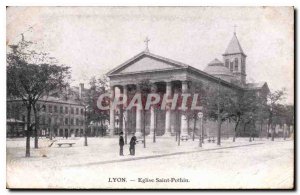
(132, 145)
(121, 144)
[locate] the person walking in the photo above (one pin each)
(121, 144)
(132, 145)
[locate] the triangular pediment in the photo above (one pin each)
(145, 62)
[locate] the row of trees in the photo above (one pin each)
(245, 108)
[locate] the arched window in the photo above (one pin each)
(236, 64)
(227, 63)
(243, 65)
(231, 66)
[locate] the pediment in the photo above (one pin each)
(146, 62)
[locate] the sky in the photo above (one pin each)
(93, 40)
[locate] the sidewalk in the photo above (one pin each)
(106, 150)
(163, 155)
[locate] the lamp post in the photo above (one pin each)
(200, 116)
(195, 121)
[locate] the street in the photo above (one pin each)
(263, 164)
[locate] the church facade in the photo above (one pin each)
(168, 76)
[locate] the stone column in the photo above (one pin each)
(138, 127)
(112, 112)
(168, 110)
(152, 113)
(173, 123)
(121, 119)
(125, 114)
(184, 120)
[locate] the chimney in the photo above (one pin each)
(81, 88)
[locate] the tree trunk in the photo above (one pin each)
(51, 128)
(235, 128)
(179, 132)
(200, 132)
(273, 132)
(261, 127)
(270, 124)
(178, 137)
(144, 128)
(268, 131)
(155, 126)
(102, 129)
(219, 130)
(37, 127)
(234, 135)
(86, 126)
(27, 154)
(85, 137)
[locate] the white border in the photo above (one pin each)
(5, 3)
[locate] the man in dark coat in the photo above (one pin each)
(132, 145)
(121, 144)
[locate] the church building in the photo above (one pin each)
(168, 76)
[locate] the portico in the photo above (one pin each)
(166, 76)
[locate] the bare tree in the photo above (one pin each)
(30, 76)
(274, 109)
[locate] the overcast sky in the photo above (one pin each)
(93, 40)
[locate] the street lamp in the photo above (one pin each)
(200, 116)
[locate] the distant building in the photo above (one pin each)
(62, 117)
(63, 113)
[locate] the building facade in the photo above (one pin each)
(169, 76)
(63, 118)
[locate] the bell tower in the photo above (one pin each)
(235, 60)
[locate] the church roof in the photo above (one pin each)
(215, 62)
(234, 46)
(174, 65)
(216, 67)
(255, 85)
